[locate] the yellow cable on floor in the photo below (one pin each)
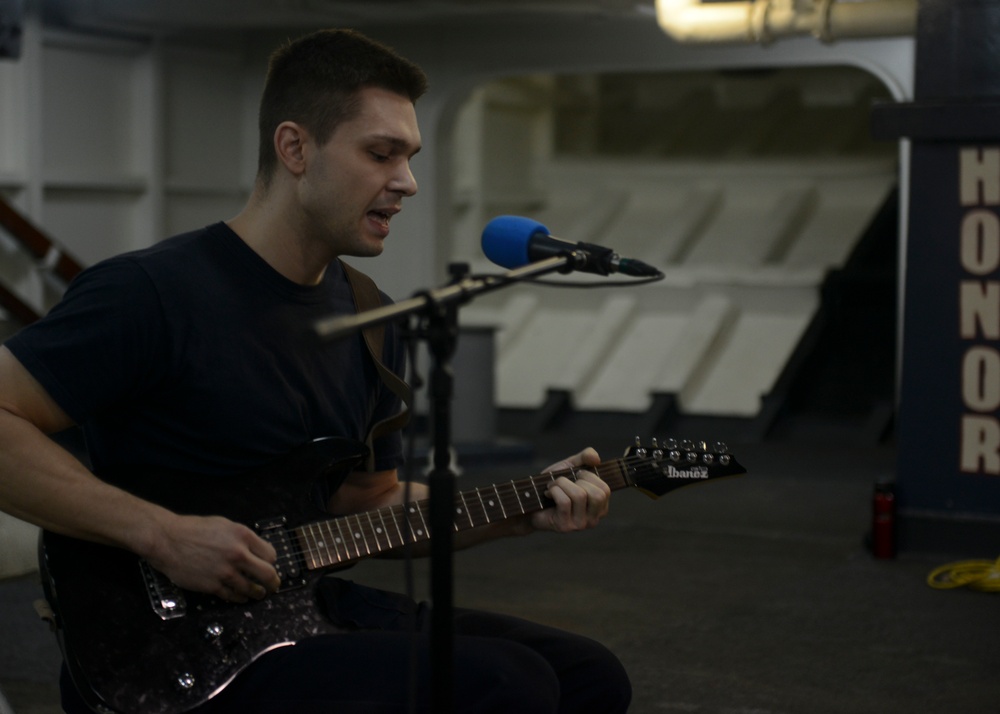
(975, 574)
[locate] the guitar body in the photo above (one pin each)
(134, 642)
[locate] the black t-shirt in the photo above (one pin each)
(196, 355)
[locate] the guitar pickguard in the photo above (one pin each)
(166, 599)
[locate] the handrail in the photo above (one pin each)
(17, 308)
(51, 255)
(40, 245)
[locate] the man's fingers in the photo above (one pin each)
(242, 591)
(585, 458)
(262, 571)
(263, 574)
(578, 504)
(589, 457)
(251, 574)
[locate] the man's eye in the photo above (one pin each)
(379, 157)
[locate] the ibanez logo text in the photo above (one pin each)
(693, 472)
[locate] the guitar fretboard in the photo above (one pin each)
(348, 538)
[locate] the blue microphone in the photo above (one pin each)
(513, 241)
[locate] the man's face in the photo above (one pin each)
(355, 183)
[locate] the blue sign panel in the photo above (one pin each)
(949, 416)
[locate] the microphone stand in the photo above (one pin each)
(438, 309)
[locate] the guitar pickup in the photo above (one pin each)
(166, 598)
(289, 564)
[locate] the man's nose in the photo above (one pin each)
(404, 182)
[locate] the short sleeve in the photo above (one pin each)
(104, 342)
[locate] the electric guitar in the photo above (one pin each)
(135, 642)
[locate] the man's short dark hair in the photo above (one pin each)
(314, 81)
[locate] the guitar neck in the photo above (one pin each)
(341, 540)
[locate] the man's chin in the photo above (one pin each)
(370, 249)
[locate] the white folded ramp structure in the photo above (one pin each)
(745, 249)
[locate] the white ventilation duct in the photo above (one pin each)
(764, 21)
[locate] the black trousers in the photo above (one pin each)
(502, 665)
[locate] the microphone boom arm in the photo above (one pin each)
(332, 328)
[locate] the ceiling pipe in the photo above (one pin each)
(763, 21)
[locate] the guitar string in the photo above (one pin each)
(320, 553)
(342, 551)
(411, 518)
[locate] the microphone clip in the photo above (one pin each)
(594, 258)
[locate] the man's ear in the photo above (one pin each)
(289, 145)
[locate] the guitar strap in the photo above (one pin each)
(367, 297)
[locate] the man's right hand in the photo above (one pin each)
(214, 555)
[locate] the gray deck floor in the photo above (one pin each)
(752, 595)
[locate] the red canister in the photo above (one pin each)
(884, 521)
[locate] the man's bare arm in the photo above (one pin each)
(42, 483)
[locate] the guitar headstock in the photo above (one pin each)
(671, 463)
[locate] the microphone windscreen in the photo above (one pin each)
(505, 240)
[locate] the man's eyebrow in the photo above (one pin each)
(395, 141)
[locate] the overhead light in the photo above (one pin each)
(764, 21)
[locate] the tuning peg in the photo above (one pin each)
(722, 452)
(670, 444)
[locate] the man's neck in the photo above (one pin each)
(279, 241)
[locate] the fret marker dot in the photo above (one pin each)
(338, 540)
(458, 510)
(491, 502)
(357, 535)
(420, 531)
(378, 530)
(320, 544)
